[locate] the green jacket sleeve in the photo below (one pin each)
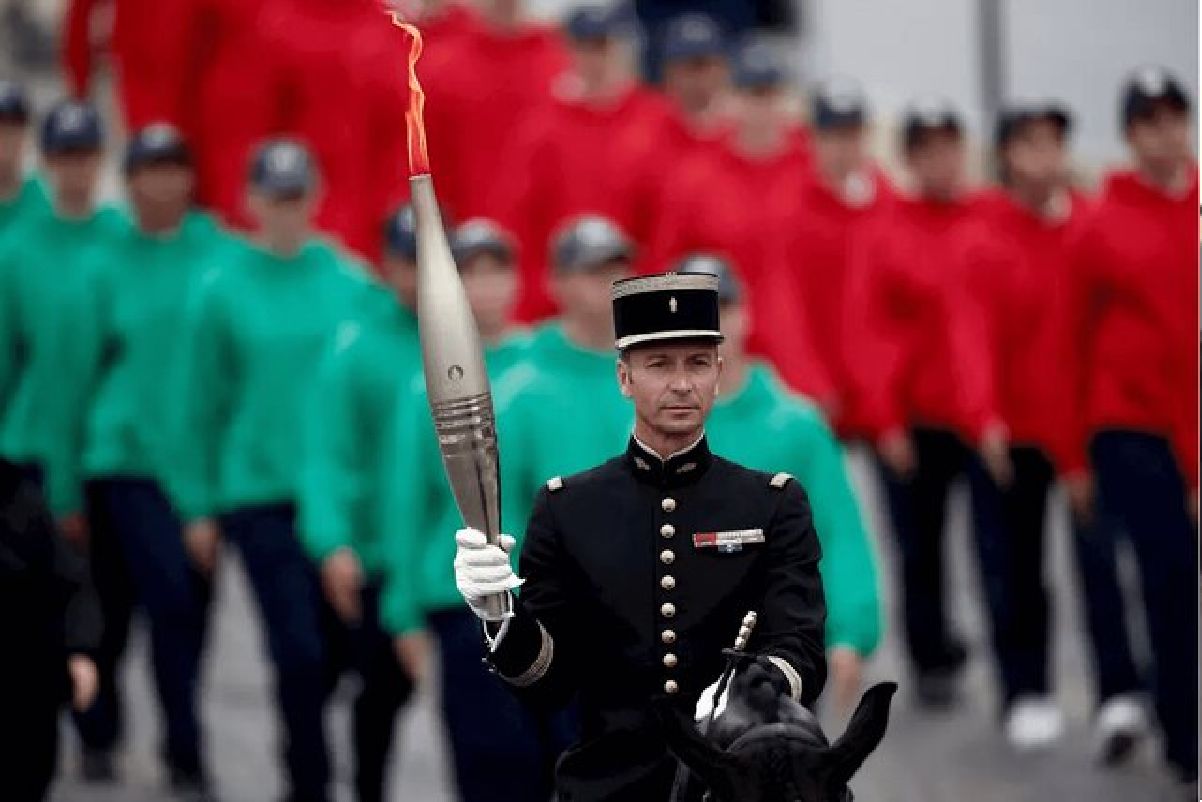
(203, 392)
(406, 514)
(333, 483)
(9, 352)
(848, 565)
(82, 351)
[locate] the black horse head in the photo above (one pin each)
(767, 748)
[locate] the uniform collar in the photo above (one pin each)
(682, 468)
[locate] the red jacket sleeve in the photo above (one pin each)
(786, 339)
(979, 298)
(77, 46)
(873, 340)
(1079, 323)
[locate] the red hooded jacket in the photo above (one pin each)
(718, 201)
(1019, 270)
(1135, 301)
(813, 252)
(481, 86)
(915, 350)
(574, 158)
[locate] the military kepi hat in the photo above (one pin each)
(664, 307)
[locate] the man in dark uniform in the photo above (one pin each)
(638, 572)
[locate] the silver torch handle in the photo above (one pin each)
(456, 380)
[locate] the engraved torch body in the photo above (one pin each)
(456, 380)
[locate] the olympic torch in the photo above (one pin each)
(452, 356)
(456, 381)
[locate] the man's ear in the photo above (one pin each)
(718, 384)
(623, 368)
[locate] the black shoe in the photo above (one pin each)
(97, 766)
(938, 688)
(187, 786)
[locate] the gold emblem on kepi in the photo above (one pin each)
(672, 304)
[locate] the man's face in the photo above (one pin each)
(491, 284)
(694, 83)
(401, 274)
(12, 149)
(585, 293)
(759, 107)
(287, 215)
(673, 386)
(595, 59)
(1160, 140)
(841, 150)
(937, 163)
(74, 175)
(1037, 155)
(161, 189)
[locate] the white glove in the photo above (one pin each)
(705, 702)
(482, 570)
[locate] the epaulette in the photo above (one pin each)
(555, 483)
(780, 480)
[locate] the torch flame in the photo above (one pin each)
(415, 117)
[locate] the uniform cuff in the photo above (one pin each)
(790, 674)
(522, 650)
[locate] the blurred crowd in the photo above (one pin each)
(227, 362)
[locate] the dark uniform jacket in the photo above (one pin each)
(637, 575)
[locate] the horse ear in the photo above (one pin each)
(716, 768)
(864, 732)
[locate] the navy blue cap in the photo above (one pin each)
(758, 65)
(1014, 116)
(594, 21)
(72, 125)
(839, 103)
(282, 167)
(729, 289)
(693, 36)
(157, 143)
(588, 242)
(400, 233)
(479, 235)
(929, 114)
(1148, 87)
(14, 102)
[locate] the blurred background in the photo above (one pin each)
(977, 54)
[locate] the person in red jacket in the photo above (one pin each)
(480, 87)
(1018, 275)
(581, 153)
(716, 201)
(1135, 311)
(696, 73)
(913, 348)
(146, 60)
(839, 197)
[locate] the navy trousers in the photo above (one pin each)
(298, 625)
(918, 509)
(384, 688)
(137, 552)
(501, 750)
(1141, 485)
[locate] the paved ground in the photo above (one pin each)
(925, 758)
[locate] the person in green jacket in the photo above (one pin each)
(47, 266)
(343, 488)
(757, 422)
(572, 367)
(258, 328)
(19, 195)
(498, 750)
(135, 538)
(48, 269)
